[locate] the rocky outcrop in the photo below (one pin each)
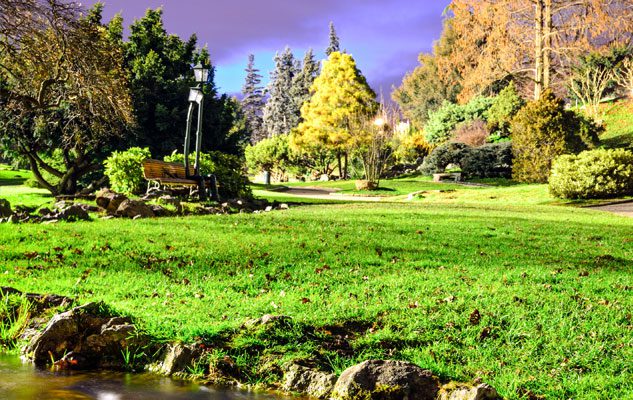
(456, 391)
(386, 380)
(134, 209)
(84, 338)
(315, 383)
(178, 358)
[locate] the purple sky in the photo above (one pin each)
(384, 36)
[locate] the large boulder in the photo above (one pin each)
(109, 200)
(94, 339)
(178, 358)
(386, 380)
(312, 382)
(73, 212)
(134, 209)
(5, 208)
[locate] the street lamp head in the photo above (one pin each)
(201, 73)
(380, 122)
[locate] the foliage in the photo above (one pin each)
(124, 169)
(274, 155)
(595, 78)
(442, 123)
(409, 144)
(304, 79)
(504, 107)
(426, 88)
(340, 96)
(334, 45)
(473, 133)
(228, 170)
(544, 130)
(253, 101)
(281, 113)
(594, 174)
(62, 87)
(493, 160)
(372, 142)
(442, 156)
(530, 41)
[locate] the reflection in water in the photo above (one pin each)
(20, 381)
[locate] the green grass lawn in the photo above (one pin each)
(12, 189)
(619, 124)
(552, 285)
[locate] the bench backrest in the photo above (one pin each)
(155, 169)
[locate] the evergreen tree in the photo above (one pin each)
(334, 41)
(281, 113)
(302, 82)
(253, 101)
(340, 96)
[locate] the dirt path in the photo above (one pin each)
(624, 209)
(326, 194)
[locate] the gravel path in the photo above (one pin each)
(326, 194)
(625, 209)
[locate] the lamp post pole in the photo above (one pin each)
(196, 97)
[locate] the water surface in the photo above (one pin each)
(19, 381)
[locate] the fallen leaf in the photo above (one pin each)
(475, 317)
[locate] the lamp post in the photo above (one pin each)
(196, 97)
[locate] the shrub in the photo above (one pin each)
(228, 170)
(504, 107)
(493, 160)
(473, 133)
(442, 123)
(124, 169)
(593, 174)
(272, 154)
(442, 156)
(542, 131)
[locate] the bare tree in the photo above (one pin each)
(62, 87)
(589, 83)
(624, 76)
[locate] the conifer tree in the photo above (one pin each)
(340, 96)
(281, 113)
(303, 80)
(253, 101)
(334, 41)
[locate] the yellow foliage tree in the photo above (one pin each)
(340, 94)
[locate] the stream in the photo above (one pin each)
(20, 381)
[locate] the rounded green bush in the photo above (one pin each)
(593, 174)
(124, 169)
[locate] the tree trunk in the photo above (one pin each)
(340, 165)
(538, 49)
(547, 45)
(345, 166)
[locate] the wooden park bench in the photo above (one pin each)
(161, 174)
(456, 176)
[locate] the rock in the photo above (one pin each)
(13, 219)
(73, 213)
(283, 206)
(44, 211)
(50, 222)
(315, 383)
(134, 208)
(5, 208)
(93, 338)
(268, 209)
(109, 200)
(456, 391)
(386, 380)
(88, 207)
(62, 204)
(178, 358)
(267, 319)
